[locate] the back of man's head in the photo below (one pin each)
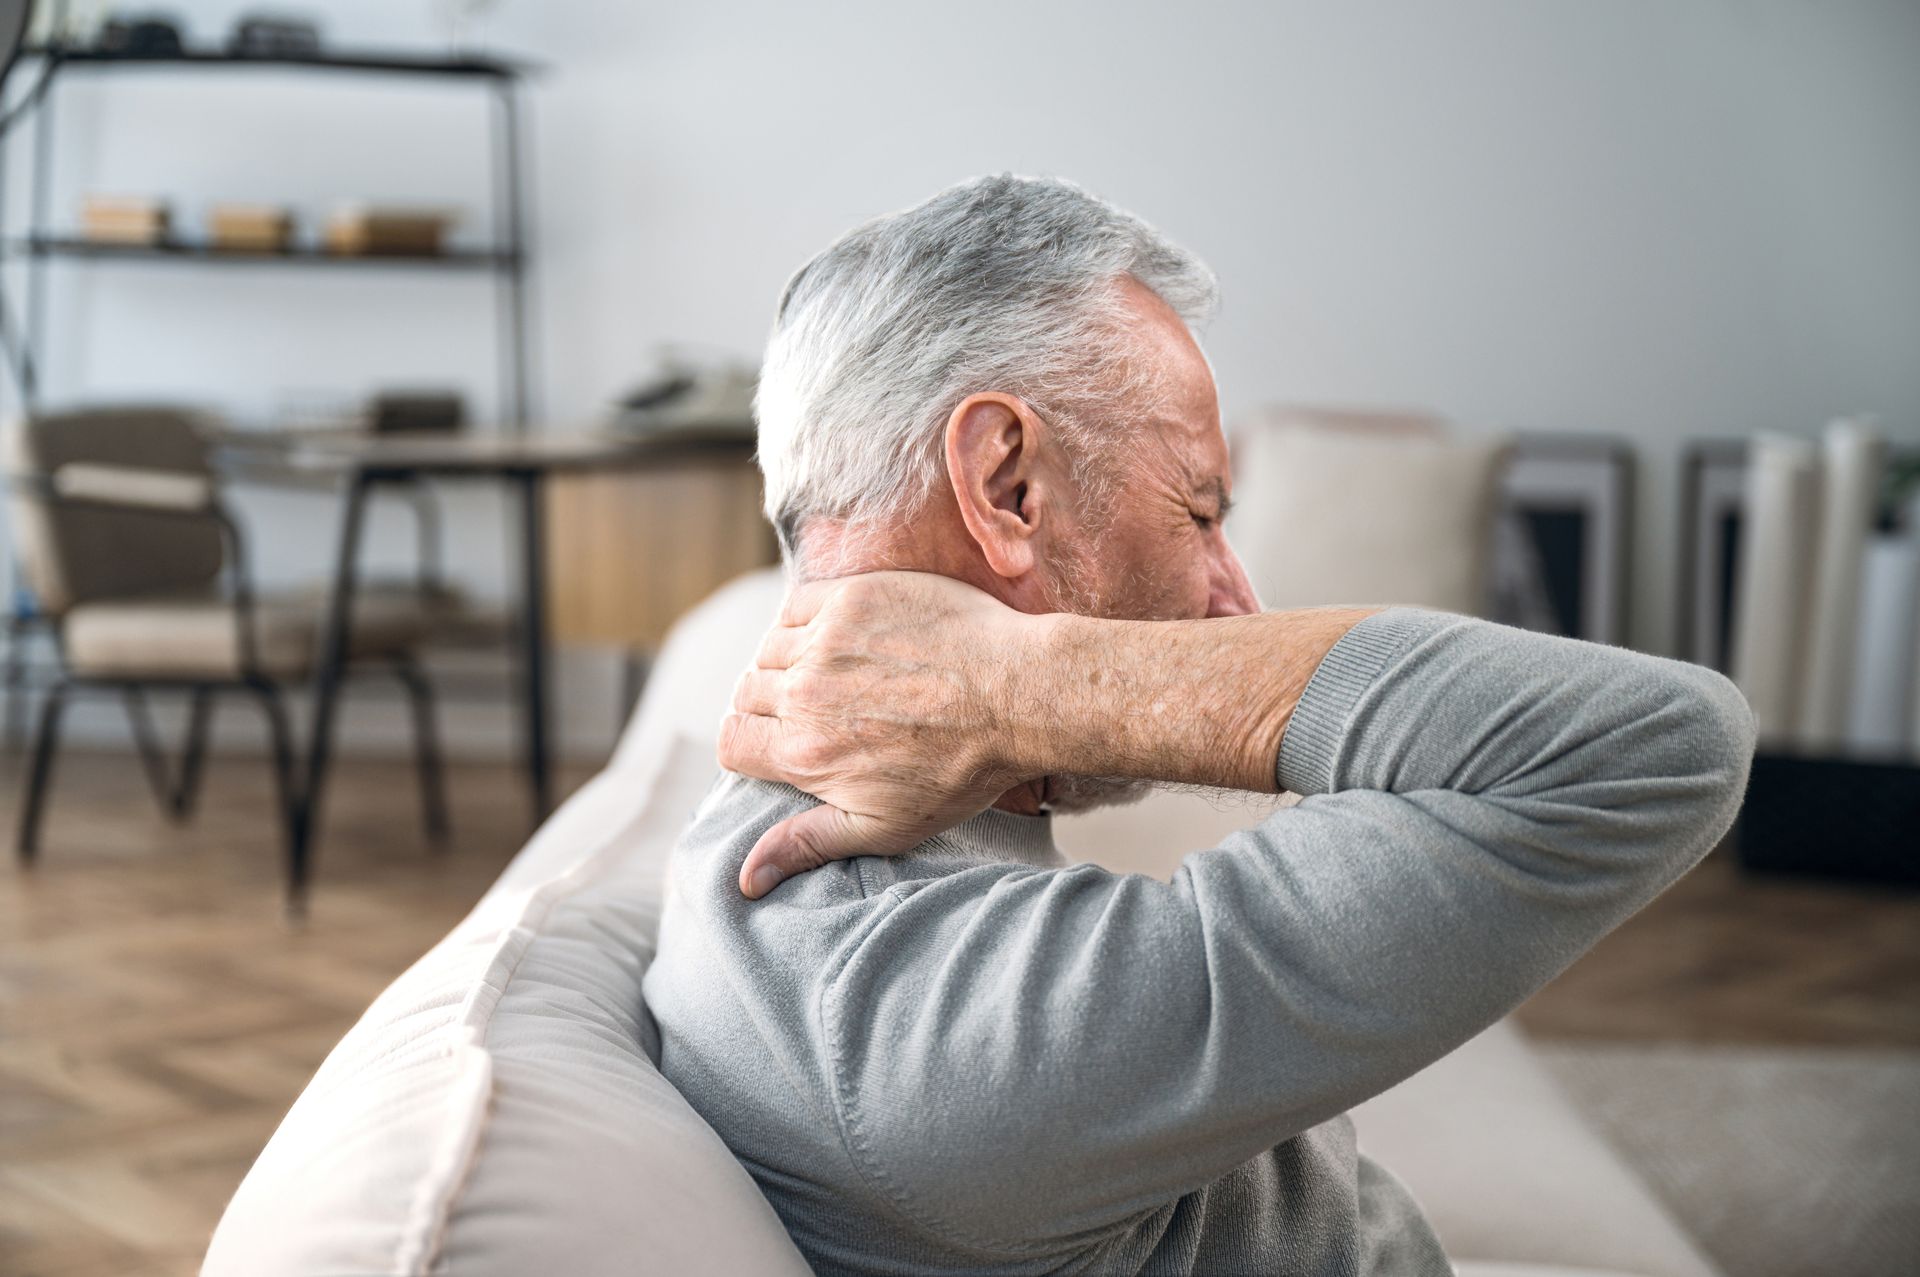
(997, 284)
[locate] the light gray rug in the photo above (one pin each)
(1781, 1161)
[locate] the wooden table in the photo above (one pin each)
(357, 465)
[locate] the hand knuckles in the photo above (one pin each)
(812, 754)
(802, 687)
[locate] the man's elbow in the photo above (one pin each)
(1721, 734)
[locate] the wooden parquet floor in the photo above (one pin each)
(157, 1017)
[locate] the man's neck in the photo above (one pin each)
(935, 541)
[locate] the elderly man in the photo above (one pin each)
(993, 451)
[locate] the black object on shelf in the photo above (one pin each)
(149, 37)
(268, 36)
(506, 258)
(1826, 817)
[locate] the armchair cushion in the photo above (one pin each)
(140, 488)
(197, 635)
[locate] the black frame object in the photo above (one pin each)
(1568, 501)
(1827, 815)
(507, 257)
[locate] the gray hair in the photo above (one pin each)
(997, 284)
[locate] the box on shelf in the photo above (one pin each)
(371, 230)
(125, 219)
(250, 228)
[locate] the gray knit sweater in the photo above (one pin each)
(979, 1058)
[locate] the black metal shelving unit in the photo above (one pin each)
(506, 258)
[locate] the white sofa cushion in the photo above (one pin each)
(1505, 1168)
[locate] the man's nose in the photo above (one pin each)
(1232, 589)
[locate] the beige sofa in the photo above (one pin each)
(497, 1111)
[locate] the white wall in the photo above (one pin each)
(1648, 217)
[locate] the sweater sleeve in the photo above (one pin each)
(1053, 1053)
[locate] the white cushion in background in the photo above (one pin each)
(1155, 834)
(1503, 1166)
(497, 1111)
(1346, 516)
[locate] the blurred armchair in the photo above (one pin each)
(121, 533)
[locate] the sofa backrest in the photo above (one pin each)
(692, 678)
(498, 1110)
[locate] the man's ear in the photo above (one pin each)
(994, 445)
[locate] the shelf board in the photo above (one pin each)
(190, 251)
(326, 60)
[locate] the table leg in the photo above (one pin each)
(533, 639)
(328, 670)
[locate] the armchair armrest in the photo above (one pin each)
(162, 491)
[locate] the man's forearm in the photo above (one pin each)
(1198, 702)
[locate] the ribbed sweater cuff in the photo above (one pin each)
(1310, 747)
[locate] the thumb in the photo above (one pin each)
(807, 841)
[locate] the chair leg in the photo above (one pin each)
(293, 825)
(426, 746)
(14, 730)
(153, 755)
(193, 753)
(176, 793)
(45, 743)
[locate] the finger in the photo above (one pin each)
(758, 692)
(807, 841)
(803, 602)
(750, 744)
(781, 646)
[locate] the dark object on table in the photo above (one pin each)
(1846, 819)
(270, 36)
(153, 36)
(416, 412)
(683, 400)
